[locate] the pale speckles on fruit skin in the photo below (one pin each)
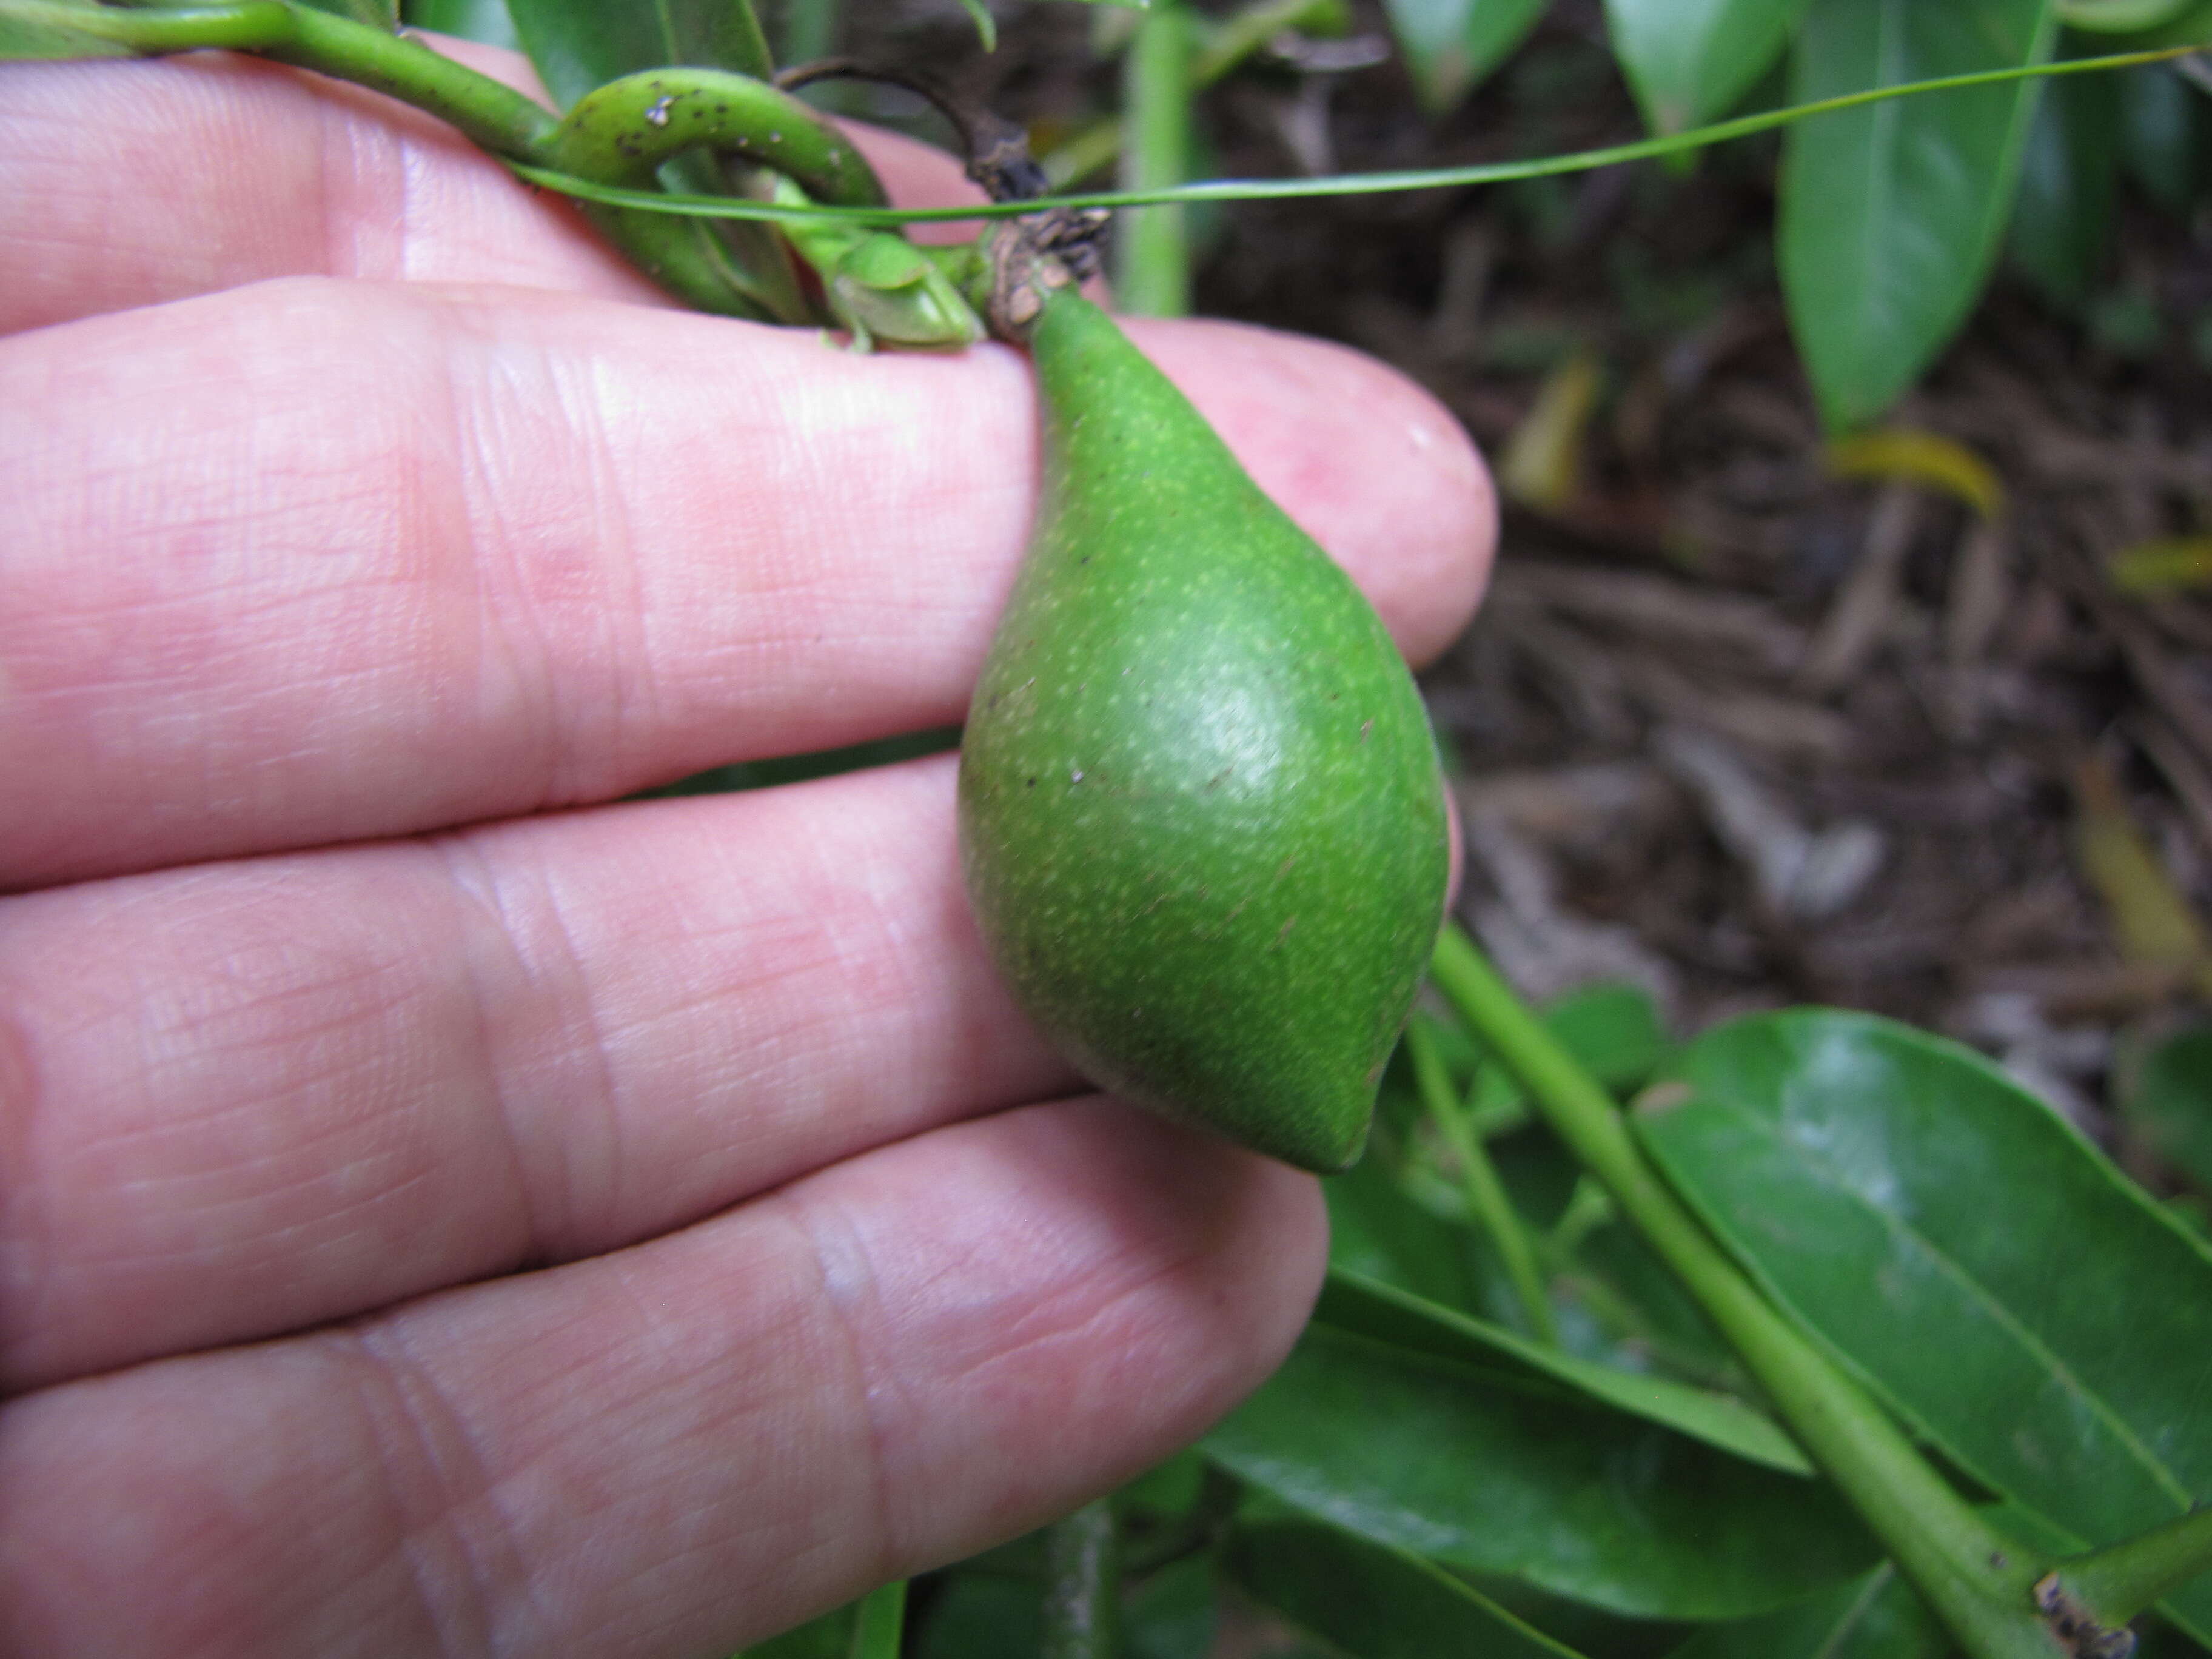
(1227, 919)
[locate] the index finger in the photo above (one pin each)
(311, 563)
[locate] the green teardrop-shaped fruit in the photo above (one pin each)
(1201, 817)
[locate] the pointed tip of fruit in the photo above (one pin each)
(1322, 1136)
(1338, 1158)
(1326, 1142)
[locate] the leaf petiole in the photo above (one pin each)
(1486, 1193)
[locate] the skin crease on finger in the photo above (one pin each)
(272, 590)
(527, 554)
(673, 1449)
(411, 590)
(236, 171)
(323, 1083)
(128, 184)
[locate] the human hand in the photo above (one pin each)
(443, 1209)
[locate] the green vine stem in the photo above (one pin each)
(490, 115)
(237, 28)
(617, 135)
(519, 131)
(1151, 247)
(1083, 1585)
(756, 259)
(1486, 1193)
(880, 1629)
(1589, 1207)
(1356, 184)
(623, 132)
(1980, 1583)
(2120, 1580)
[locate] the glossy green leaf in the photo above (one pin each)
(2171, 1103)
(1689, 61)
(1616, 1302)
(1649, 1320)
(1984, 1269)
(1492, 1472)
(1613, 1031)
(1451, 44)
(1577, 1625)
(1891, 214)
(980, 1616)
(1378, 1231)
(44, 29)
(1373, 1601)
(1171, 1613)
(488, 20)
(2060, 237)
(1877, 1616)
(1362, 1307)
(1400, 1220)
(578, 44)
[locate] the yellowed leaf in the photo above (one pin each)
(2163, 566)
(1542, 466)
(1907, 455)
(2152, 919)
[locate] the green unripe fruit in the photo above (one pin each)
(1201, 817)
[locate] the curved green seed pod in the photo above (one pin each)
(620, 133)
(1201, 817)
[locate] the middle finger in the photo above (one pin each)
(255, 1096)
